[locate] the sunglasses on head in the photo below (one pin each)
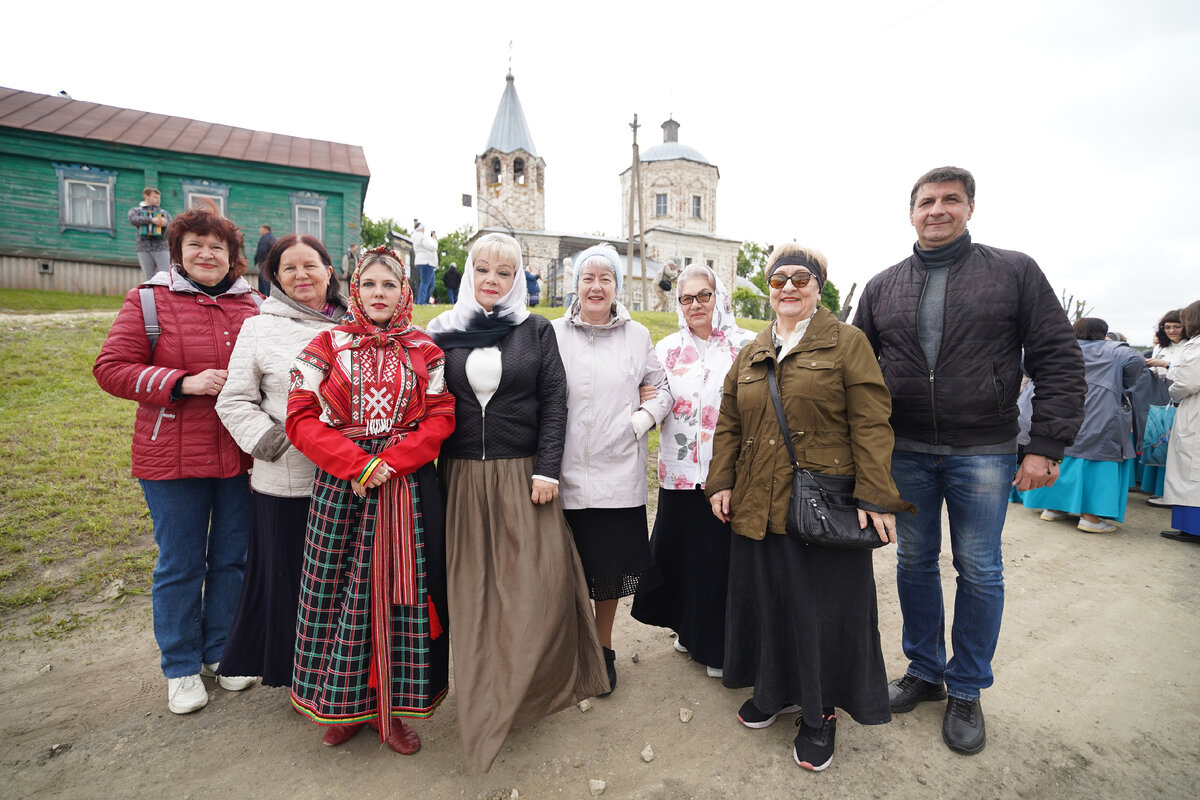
(799, 279)
(703, 297)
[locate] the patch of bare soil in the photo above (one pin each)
(1094, 697)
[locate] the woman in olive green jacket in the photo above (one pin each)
(802, 624)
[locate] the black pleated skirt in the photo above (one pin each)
(802, 627)
(262, 638)
(614, 550)
(690, 546)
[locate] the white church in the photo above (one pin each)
(678, 205)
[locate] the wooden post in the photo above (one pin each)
(637, 172)
(633, 197)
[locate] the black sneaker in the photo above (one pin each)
(751, 717)
(813, 748)
(962, 727)
(904, 693)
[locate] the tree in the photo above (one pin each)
(376, 232)
(452, 249)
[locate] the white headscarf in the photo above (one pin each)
(467, 315)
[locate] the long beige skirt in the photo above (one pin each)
(522, 631)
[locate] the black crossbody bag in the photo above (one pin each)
(822, 510)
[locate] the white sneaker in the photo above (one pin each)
(1054, 516)
(1103, 526)
(715, 672)
(230, 683)
(186, 694)
(679, 646)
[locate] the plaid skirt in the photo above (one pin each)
(332, 682)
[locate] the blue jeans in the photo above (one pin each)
(976, 491)
(201, 527)
(453, 295)
(426, 287)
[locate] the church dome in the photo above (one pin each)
(671, 149)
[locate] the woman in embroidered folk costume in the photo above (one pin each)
(690, 545)
(368, 404)
(524, 638)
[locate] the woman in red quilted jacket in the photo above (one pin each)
(193, 475)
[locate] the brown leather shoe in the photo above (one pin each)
(403, 740)
(340, 734)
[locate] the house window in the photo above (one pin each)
(710, 263)
(696, 206)
(203, 189)
(519, 171)
(660, 205)
(495, 171)
(687, 262)
(308, 215)
(85, 198)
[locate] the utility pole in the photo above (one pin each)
(637, 172)
(634, 200)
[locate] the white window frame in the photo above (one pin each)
(696, 207)
(84, 175)
(309, 201)
(202, 188)
(660, 204)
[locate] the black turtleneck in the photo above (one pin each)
(931, 314)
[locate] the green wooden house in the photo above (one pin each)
(70, 171)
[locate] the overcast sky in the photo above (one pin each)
(1078, 118)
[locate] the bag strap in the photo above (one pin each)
(787, 437)
(150, 316)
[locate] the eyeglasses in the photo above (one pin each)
(799, 279)
(703, 297)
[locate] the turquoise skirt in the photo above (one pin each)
(1086, 487)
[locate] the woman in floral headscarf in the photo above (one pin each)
(689, 544)
(368, 404)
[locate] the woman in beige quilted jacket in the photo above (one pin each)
(253, 405)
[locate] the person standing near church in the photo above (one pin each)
(265, 243)
(151, 221)
(425, 257)
(949, 324)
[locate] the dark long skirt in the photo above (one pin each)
(690, 546)
(523, 633)
(262, 639)
(331, 683)
(614, 549)
(802, 628)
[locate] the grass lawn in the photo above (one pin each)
(74, 519)
(38, 301)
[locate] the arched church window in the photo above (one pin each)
(519, 171)
(495, 170)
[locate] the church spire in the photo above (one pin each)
(510, 131)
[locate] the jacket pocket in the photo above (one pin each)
(837, 459)
(811, 378)
(998, 389)
(741, 473)
(752, 391)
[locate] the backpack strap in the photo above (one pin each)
(150, 316)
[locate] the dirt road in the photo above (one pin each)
(1095, 696)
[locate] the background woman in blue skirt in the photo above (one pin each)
(1094, 475)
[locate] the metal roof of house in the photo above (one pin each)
(510, 131)
(85, 120)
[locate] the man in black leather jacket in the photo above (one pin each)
(949, 324)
